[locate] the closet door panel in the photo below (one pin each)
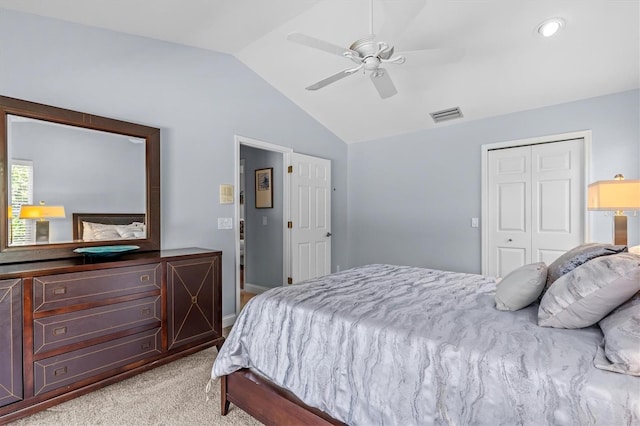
(509, 209)
(557, 203)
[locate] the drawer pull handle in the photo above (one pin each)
(146, 312)
(60, 371)
(60, 330)
(60, 290)
(144, 278)
(145, 345)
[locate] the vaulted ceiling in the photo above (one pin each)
(488, 58)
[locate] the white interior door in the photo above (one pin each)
(310, 233)
(509, 209)
(535, 205)
(557, 213)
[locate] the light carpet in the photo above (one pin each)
(173, 394)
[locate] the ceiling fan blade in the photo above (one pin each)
(332, 79)
(319, 44)
(383, 83)
(433, 56)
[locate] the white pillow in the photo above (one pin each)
(99, 231)
(521, 287)
(87, 231)
(588, 293)
(621, 329)
(132, 230)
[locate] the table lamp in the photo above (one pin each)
(618, 195)
(41, 212)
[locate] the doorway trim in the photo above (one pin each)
(286, 154)
(585, 135)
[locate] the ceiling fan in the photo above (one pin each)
(367, 53)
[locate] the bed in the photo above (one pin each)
(113, 226)
(399, 345)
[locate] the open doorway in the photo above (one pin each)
(288, 239)
(261, 243)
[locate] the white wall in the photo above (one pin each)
(198, 98)
(412, 197)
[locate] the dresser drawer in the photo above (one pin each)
(69, 368)
(62, 290)
(60, 330)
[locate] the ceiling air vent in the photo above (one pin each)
(446, 114)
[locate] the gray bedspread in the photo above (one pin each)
(394, 345)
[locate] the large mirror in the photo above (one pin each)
(73, 180)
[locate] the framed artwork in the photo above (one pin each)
(264, 188)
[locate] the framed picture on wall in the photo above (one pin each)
(264, 188)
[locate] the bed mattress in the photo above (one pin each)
(397, 345)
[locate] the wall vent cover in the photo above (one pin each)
(446, 114)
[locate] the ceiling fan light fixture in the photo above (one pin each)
(550, 27)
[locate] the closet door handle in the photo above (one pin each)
(509, 240)
(328, 234)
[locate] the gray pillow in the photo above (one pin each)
(585, 295)
(521, 287)
(576, 257)
(621, 329)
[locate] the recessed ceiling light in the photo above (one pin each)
(550, 27)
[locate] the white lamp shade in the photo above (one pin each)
(617, 195)
(28, 211)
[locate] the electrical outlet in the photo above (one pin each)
(475, 222)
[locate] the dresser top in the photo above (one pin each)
(86, 263)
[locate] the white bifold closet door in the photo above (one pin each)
(536, 203)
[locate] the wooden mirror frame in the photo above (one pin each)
(11, 254)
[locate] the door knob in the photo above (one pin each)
(328, 234)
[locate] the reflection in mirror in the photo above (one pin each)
(62, 171)
(76, 170)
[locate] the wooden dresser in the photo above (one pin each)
(71, 326)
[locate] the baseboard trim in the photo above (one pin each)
(228, 321)
(257, 289)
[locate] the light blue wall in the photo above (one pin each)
(198, 98)
(412, 196)
(263, 242)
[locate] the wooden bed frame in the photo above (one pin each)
(267, 402)
(105, 219)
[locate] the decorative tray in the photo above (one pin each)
(105, 251)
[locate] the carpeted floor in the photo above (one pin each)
(173, 394)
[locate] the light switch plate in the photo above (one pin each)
(225, 223)
(475, 222)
